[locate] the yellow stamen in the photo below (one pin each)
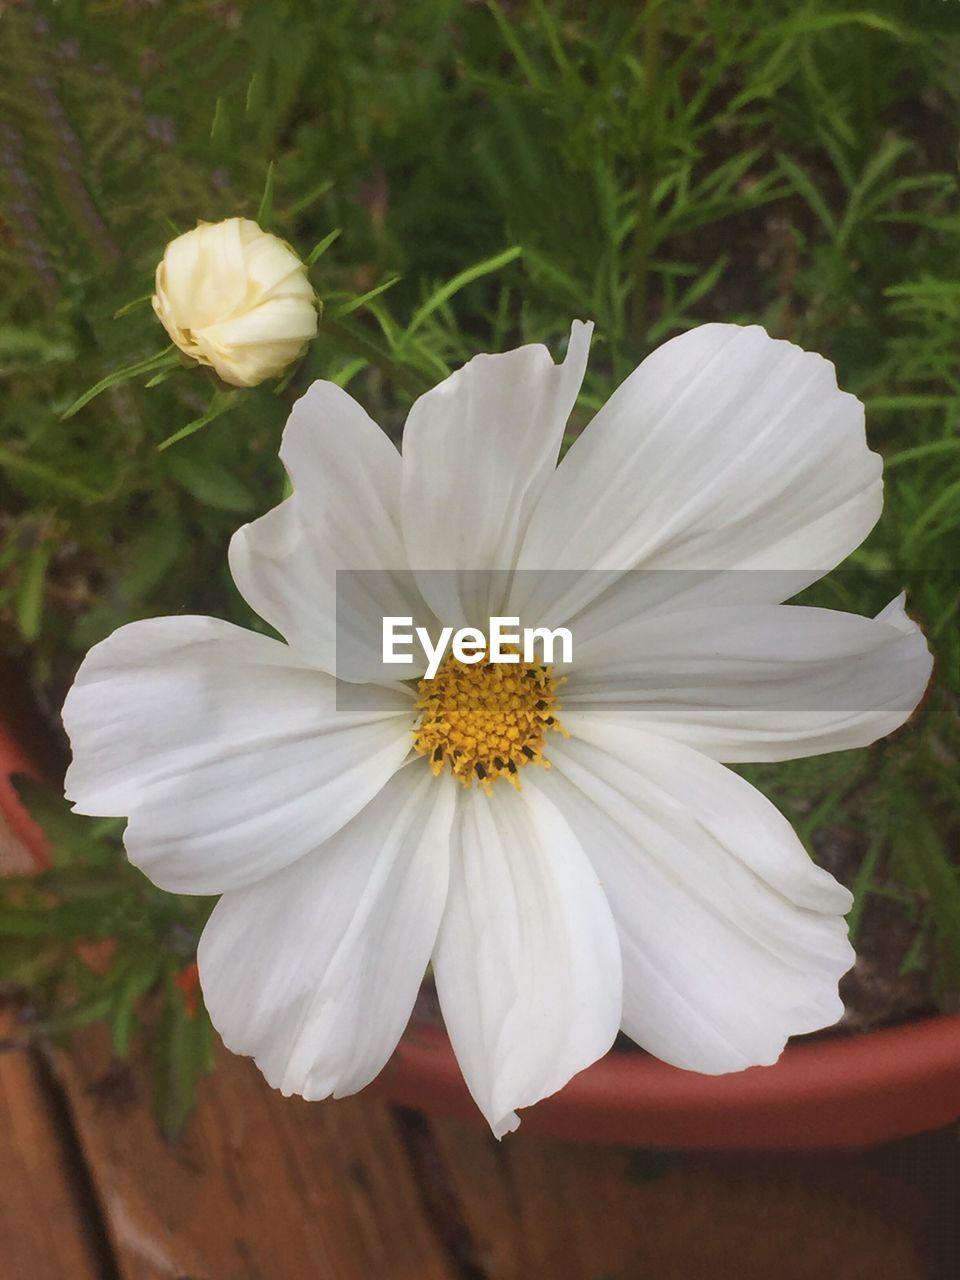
(487, 721)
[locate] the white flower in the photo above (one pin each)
(236, 298)
(637, 882)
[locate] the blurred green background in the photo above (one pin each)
(471, 176)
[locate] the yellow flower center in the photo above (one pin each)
(487, 720)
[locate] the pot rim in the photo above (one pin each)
(849, 1090)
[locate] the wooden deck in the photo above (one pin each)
(266, 1188)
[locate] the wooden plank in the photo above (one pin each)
(265, 1188)
(45, 1227)
(930, 1163)
(539, 1208)
(260, 1188)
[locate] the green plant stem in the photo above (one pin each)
(162, 360)
(640, 263)
(39, 471)
(358, 344)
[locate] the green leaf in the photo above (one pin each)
(68, 832)
(512, 41)
(807, 188)
(255, 93)
(210, 482)
(143, 973)
(945, 501)
(132, 306)
(460, 281)
(83, 881)
(161, 360)
(32, 348)
(919, 451)
(143, 564)
(319, 249)
(220, 403)
(265, 212)
(28, 607)
(80, 918)
(343, 377)
(862, 887)
(337, 313)
(915, 960)
(162, 376)
(927, 867)
(83, 1014)
(701, 287)
(807, 22)
(220, 124)
(153, 552)
(182, 1055)
(30, 469)
(311, 197)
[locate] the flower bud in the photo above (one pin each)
(236, 298)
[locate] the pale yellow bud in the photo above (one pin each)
(236, 298)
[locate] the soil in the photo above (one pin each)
(892, 978)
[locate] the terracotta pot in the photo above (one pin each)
(15, 758)
(844, 1091)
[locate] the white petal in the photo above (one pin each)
(732, 938)
(203, 274)
(725, 450)
(477, 452)
(314, 972)
(527, 965)
(286, 322)
(272, 268)
(227, 752)
(343, 515)
(767, 682)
